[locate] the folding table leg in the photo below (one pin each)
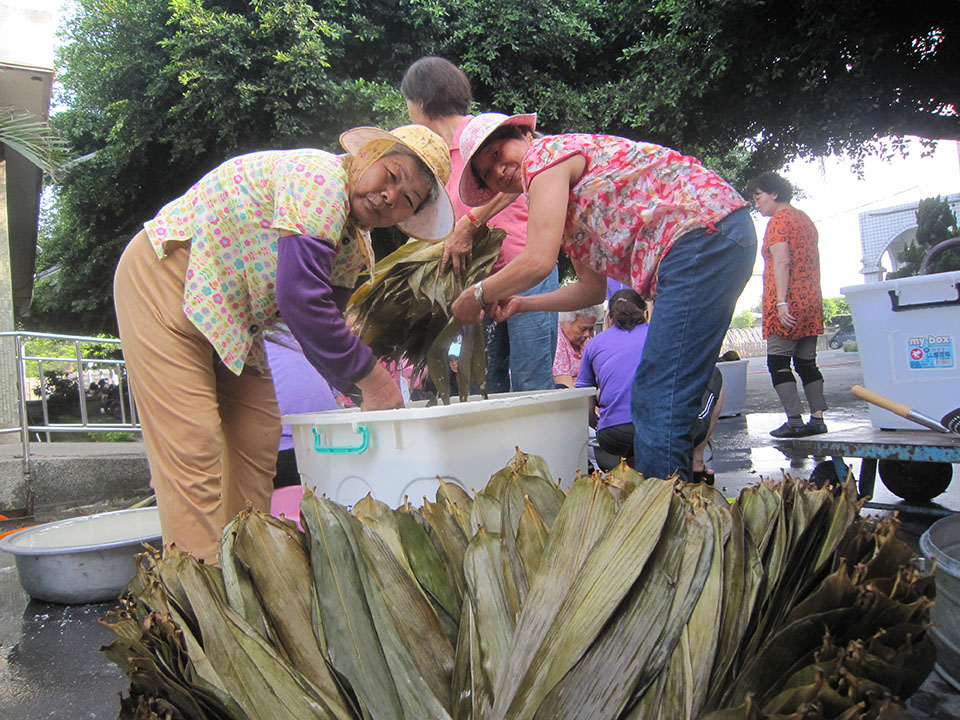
(868, 476)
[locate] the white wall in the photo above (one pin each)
(27, 30)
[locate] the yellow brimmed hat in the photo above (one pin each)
(435, 220)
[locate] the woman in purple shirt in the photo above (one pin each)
(610, 363)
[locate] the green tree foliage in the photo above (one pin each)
(742, 320)
(65, 352)
(832, 307)
(159, 91)
(936, 222)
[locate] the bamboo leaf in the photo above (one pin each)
(486, 513)
(431, 570)
(780, 651)
(404, 312)
(532, 536)
(514, 578)
(584, 517)
(600, 584)
(346, 622)
(252, 671)
(742, 576)
(381, 519)
(406, 684)
(704, 625)
(483, 571)
(545, 496)
(412, 618)
(453, 493)
(449, 539)
(636, 644)
(241, 595)
(471, 689)
(275, 555)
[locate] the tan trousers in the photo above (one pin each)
(211, 436)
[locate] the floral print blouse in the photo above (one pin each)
(233, 218)
(796, 229)
(566, 361)
(632, 202)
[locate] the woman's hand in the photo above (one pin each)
(786, 319)
(458, 247)
(466, 309)
(380, 392)
(506, 308)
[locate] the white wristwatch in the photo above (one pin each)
(478, 293)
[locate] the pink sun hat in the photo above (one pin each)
(472, 137)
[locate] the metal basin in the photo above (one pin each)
(82, 560)
(941, 542)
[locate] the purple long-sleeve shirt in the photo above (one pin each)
(313, 310)
(609, 363)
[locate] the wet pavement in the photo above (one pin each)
(51, 667)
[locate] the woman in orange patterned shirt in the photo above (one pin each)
(792, 304)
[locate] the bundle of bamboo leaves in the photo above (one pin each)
(625, 598)
(404, 312)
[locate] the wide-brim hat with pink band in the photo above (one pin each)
(435, 220)
(473, 136)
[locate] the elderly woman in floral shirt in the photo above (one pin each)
(264, 237)
(639, 213)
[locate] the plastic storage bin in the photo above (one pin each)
(734, 387)
(907, 334)
(398, 454)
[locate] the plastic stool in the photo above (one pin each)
(285, 501)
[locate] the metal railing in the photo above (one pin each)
(80, 367)
(747, 342)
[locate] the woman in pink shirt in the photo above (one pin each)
(520, 349)
(642, 214)
(576, 327)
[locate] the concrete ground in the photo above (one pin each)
(50, 666)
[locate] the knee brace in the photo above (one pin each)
(779, 367)
(807, 370)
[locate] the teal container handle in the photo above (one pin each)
(342, 450)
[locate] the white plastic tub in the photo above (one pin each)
(398, 454)
(734, 387)
(908, 331)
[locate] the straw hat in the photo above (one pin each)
(472, 137)
(435, 221)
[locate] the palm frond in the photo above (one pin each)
(34, 139)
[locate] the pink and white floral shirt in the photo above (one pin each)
(566, 361)
(632, 202)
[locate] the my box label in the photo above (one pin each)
(931, 352)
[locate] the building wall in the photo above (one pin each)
(27, 31)
(9, 410)
(29, 27)
(889, 229)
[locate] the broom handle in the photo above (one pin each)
(880, 401)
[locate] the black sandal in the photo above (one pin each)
(706, 475)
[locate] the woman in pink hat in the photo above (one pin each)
(266, 237)
(639, 213)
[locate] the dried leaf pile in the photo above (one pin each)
(405, 312)
(624, 598)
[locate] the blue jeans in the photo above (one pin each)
(698, 283)
(520, 351)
